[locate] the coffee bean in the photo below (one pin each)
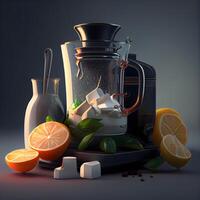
(151, 176)
(142, 180)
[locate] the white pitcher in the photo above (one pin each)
(42, 105)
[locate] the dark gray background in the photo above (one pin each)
(166, 34)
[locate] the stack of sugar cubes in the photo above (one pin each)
(68, 170)
(101, 106)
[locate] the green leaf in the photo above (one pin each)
(67, 122)
(76, 104)
(128, 142)
(76, 133)
(85, 142)
(48, 118)
(108, 145)
(89, 125)
(154, 163)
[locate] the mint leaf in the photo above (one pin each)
(108, 145)
(85, 142)
(89, 125)
(67, 122)
(48, 118)
(76, 104)
(128, 142)
(154, 163)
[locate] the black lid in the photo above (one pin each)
(96, 31)
(96, 40)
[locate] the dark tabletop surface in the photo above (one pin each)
(168, 183)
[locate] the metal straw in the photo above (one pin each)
(48, 57)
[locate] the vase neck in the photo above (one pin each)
(37, 86)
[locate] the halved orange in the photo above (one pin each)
(169, 121)
(50, 139)
(22, 160)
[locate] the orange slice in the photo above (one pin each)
(50, 139)
(22, 160)
(168, 121)
(174, 152)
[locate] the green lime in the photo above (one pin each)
(108, 145)
(85, 142)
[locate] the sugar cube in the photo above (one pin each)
(68, 170)
(90, 170)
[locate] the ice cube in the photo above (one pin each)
(90, 170)
(94, 94)
(75, 115)
(81, 108)
(109, 105)
(91, 112)
(100, 100)
(68, 170)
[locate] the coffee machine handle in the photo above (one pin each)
(141, 87)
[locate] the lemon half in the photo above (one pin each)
(169, 122)
(174, 152)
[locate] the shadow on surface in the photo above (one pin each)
(28, 175)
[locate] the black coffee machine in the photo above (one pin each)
(141, 122)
